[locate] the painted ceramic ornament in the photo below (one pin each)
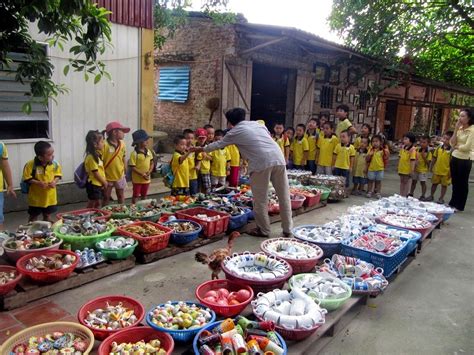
(116, 243)
(52, 343)
(111, 318)
(7, 276)
(328, 233)
(256, 266)
(320, 286)
(405, 221)
(152, 347)
(88, 257)
(47, 263)
(378, 242)
(82, 225)
(180, 316)
(115, 223)
(182, 227)
(144, 230)
(292, 249)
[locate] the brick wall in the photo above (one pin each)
(201, 44)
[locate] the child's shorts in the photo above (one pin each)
(444, 180)
(234, 176)
(193, 187)
(94, 192)
(205, 181)
(140, 189)
(119, 184)
(375, 175)
(343, 172)
(325, 170)
(218, 180)
(420, 177)
(36, 211)
(359, 180)
(180, 191)
(2, 198)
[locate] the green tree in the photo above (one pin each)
(79, 21)
(437, 36)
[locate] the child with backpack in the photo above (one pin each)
(40, 176)
(141, 164)
(5, 173)
(94, 167)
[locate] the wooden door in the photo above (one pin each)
(303, 97)
(236, 86)
(403, 123)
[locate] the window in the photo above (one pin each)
(14, 123)
(174, 84)
(327, 97)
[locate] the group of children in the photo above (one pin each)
(202, 172)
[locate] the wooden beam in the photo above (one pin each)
(263, 45)
(236, 83)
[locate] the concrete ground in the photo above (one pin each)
(426, 310)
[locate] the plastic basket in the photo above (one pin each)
(116, 215)
(388, 263)
(101, 302)
(223, 311)
(412, 242)
(10, 285)
(148, 244)
(328, 248)
(80, 242)
(47, 276)
(104, 215)
(237, 222)
(117, 254)
(209, 228)
(297, 201)
(151, 218)
(325, 192)
(211, 326)
(23, 336)
(423, 231)
(183, 238)
(312, 200)
(298, 265)
(295, 334)
(182, 335)
(133, 335)
(14, 254)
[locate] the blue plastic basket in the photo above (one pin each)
(412, 241)
(329, 249)
(215, 324)
(239, 221)
(388, 263)
(184, 238)
(244, 180)
(447, 216)
(183, 335)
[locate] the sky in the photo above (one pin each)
(307, 15)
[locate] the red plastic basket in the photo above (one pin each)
(148, 244)
(209, 228)
(104, 215)
(295, 334)
(10, 285)
(47, 276)
(133, 335)
(312, 199)
(297, 201)
(224, 311)
(101, 302)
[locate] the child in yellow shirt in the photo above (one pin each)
(299, 148)
(96, 179)
(422, 167)
(376, 158)
(312, 137)
(290, 133)
(193, 173)
(365, 132)
(219, 162)
(42, 174)
(113, 155)
(407, 163)
(440, 168)
(343, 157)
(203, 162)
(141, 163)
(282, 140)
(359, 171)
(5, 173)
(180, 168)
(234, 165)
(325, 149)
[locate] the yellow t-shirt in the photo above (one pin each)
(192, 164)
(343, 156)
(142, 162)
(326, 149)
(282, 142)
(406, 156)
(443, 158)
(205, 164)
(298, 147)
(376, 163)
(116, 169)
(312, 143)
(342, 126)
(358, 140)
(37, 196)
(360, 164)
(234, 155)
(423, 166)
(92, 165)
(4, 156)
(180, 171)
(219, 157)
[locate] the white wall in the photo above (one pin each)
(88, 106)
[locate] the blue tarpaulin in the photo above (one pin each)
(174, 84)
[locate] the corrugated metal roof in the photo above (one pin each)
(174, 84)
(135, 13)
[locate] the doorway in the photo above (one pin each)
(390, 119)
(269, 94)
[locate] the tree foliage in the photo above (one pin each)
(80, 21)
(437, 36)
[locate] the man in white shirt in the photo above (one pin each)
(266, 164)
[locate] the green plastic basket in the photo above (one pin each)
(329, 304)
(117, 254)
(152, 218)
(116, 215)
(79, 242)
(325, 192)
